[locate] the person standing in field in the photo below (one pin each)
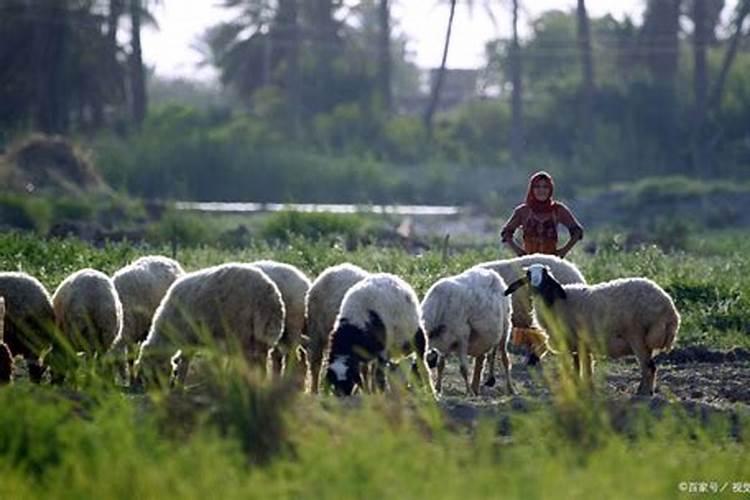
(539, 217)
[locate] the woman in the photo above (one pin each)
(539, 217)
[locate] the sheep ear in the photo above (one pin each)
(516, 285)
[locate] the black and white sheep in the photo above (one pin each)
(29, 322)
(88, 312)
(615, 318)
(323, 302)
(293, 286)
(525, 332)
(468, 314)
(141, 286)
(379, 321)
(231, 306)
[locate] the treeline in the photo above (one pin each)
(318, 89)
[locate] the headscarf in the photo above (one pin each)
(536, 205)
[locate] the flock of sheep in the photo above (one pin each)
(151, 318)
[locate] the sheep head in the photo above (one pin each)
(542, 282)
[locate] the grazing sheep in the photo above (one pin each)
(470, 315)
(525, 331)
(6, 358)
(293, 285)
(379, 321)
(232, 305)
(88, 311)
(141, 286)
(322, 303)
(29, 322)
(616, 318)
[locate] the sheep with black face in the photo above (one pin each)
(615, 318)
(379, 322)
(322, 305)
(525, 331)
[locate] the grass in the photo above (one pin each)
(239, 438)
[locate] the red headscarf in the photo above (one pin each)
(536, 205)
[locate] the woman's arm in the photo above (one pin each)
(566, 218)
(509, 229)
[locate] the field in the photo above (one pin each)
(238, 437)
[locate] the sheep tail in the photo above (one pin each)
(662, 335)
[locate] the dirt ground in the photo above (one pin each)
(701, 380)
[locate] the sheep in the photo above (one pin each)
(525, 332)
(322, 306)
(468, 314)
(6, 357)
(616, 318)
(141, 286)
(88, 312)
(234, 305)
(379, 321)
(30, 322)
(293, 285)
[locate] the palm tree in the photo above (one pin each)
(717, 91)
(435, 95)
(384, 53)
(137, 72)
(587, 65)
(516, 130)
(700, 83)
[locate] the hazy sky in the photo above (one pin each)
(423, 21)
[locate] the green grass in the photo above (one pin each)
(238, 438)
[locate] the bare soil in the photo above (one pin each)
(702, 381)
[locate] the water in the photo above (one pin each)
(236, 207)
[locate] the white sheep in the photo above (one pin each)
(141, 286)
(525, 332)
(293, 285)
(29, 327)
(6, 357)
(468, 314)
(379, 321)
(322, 306)
(88, 311)
(615, 318)
(235, 306)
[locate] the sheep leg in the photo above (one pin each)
(379, 377)
(648, 367)
(440, 372)
(477, 376)
(506, 368)
(463, 359)
(490, 380)
(277, 362)
(315, 362)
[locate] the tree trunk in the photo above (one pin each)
(717, 92)
(137, 72)
(700, 86)
(516, 131)
(587, 67)
(384, 53)
(48, 47)
(290, 33)
(437, 87)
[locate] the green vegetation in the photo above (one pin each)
(235, 437)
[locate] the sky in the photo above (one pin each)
(171, 49)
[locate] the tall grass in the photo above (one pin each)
(235, 436)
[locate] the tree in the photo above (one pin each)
(717, 91)
(659, 39)
(384, 54)
(587, 65)
(437, 86)
(516, 131)
(137, 71)
(700, 83)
